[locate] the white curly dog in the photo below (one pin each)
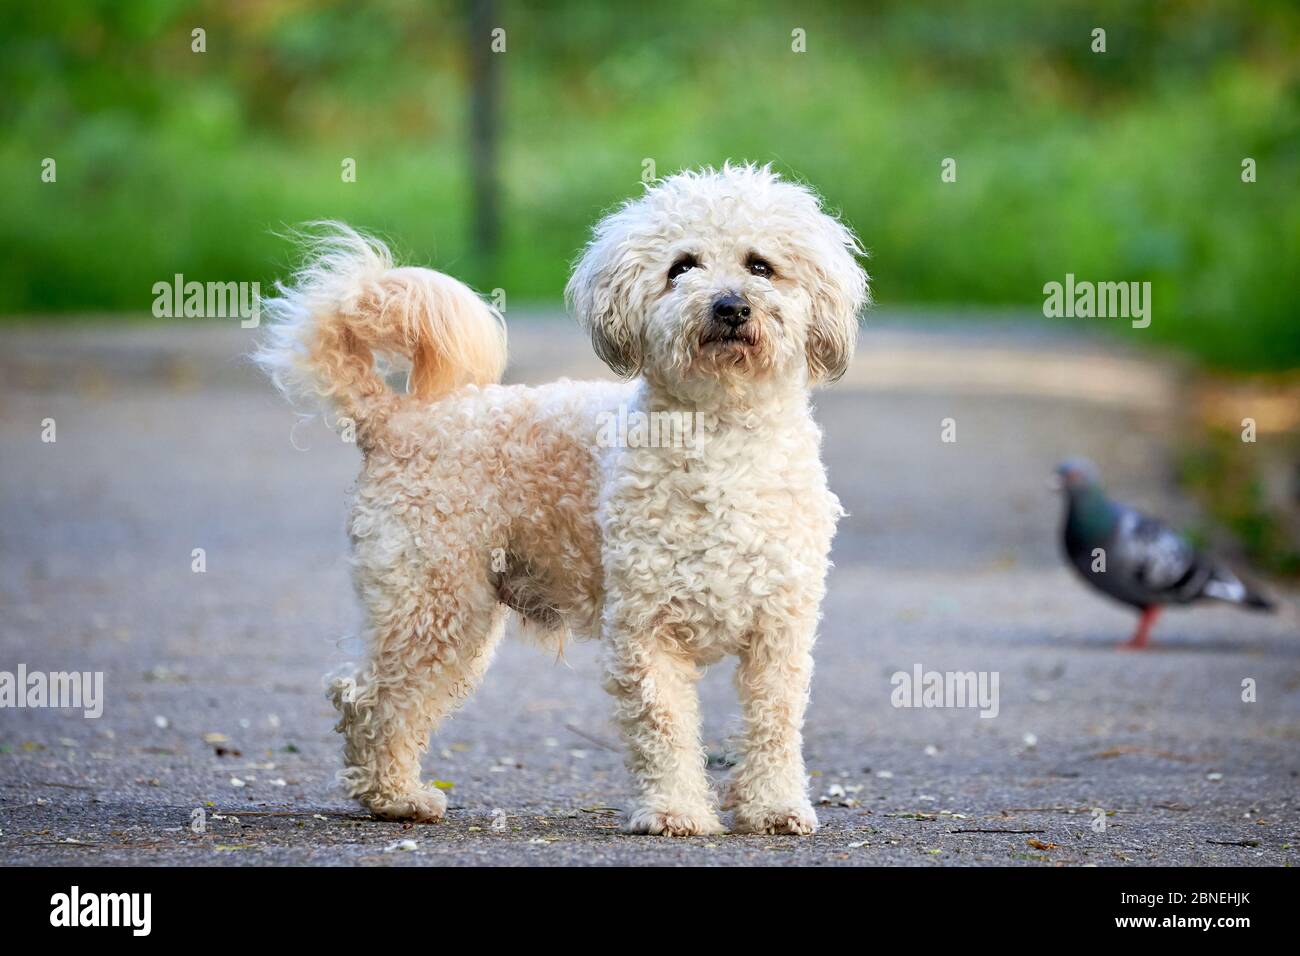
(723, 296)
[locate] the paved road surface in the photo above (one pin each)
(167, 442)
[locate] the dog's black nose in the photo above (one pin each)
(731, 310)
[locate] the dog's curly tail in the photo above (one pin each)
(349, 302)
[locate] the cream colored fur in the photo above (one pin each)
(476, 498)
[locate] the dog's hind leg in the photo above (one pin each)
(427, 655)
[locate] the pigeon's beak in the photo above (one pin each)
(1055, 483)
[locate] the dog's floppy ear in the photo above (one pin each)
(601, 293)
(839, 292)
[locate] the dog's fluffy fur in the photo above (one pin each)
(477, 498)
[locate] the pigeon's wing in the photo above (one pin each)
(1161, 566)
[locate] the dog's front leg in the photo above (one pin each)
(657, 707)
(769, 788)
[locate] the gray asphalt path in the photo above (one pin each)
(167, 442)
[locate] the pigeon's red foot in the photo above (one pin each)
(1138, 642)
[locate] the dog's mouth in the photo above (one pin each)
(722, 336)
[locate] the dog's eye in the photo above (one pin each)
(760, 267)
(683, 264)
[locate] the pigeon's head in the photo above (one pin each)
(1076, 474)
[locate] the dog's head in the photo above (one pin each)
(722, 278)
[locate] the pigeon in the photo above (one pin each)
(1136, 559)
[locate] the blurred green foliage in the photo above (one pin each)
(1228, 476)
(1117, 166)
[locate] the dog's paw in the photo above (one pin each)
(673, 822)
(799, 820)
(419, 806)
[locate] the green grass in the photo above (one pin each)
(1119, 166)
